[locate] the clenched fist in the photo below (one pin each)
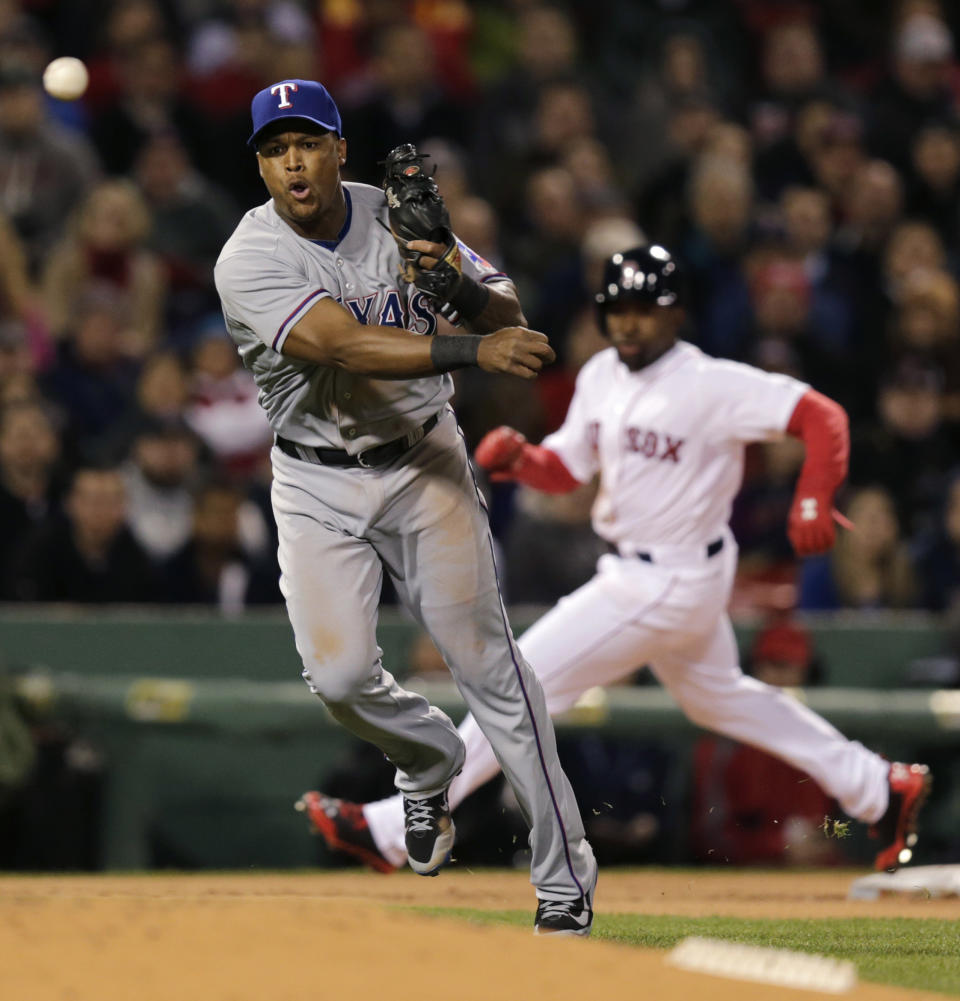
(499, 450)
(810, 526)
(515, 350)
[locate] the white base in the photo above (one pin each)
(920, 880)
(782, 967)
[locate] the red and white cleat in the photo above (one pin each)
(896, 830)
(343, 827)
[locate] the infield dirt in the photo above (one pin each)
(299, 936)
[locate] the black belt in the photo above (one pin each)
(379, 455)
(712, 549)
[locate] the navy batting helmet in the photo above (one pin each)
(641, 274)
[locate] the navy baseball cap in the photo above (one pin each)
(294, 99)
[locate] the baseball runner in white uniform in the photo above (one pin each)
(665, 427)
(371, 474)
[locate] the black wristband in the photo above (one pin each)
(450, 351)
(468, 301)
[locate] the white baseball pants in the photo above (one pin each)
(671, 615)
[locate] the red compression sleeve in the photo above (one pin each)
(823, 427)
(542, 469)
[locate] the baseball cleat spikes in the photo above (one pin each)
(343, 827)
(429, 833)
(896, 830)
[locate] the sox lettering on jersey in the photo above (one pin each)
(648, 443)
(283, 89)
(645, 442)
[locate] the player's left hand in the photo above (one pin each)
(431, 253)
(810, 524)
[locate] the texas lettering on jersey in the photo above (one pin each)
(385, 308)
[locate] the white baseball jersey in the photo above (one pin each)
(669, 440)
(269, 277)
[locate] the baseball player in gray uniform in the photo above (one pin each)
(665, 427)
(370, 474)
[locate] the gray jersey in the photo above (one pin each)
(269, 277)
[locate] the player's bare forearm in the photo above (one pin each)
(502, 310)
(375, 352)
(329, 335)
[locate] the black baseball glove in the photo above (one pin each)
(416, 211)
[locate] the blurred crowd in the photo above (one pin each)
(801, 158)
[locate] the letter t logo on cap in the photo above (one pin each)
(283, 89)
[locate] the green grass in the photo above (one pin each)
(920, 953)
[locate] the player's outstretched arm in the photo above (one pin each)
(330, 335)
(822, 425)
(507, 455)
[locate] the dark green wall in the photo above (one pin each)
(857, 651)
(209, 734)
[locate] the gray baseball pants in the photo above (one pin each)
(422, 519)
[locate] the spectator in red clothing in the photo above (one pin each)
(345, 31)
(106, 247)
(222, 407)
(124, 26)
(750, 808)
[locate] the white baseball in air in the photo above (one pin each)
(65, 78)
